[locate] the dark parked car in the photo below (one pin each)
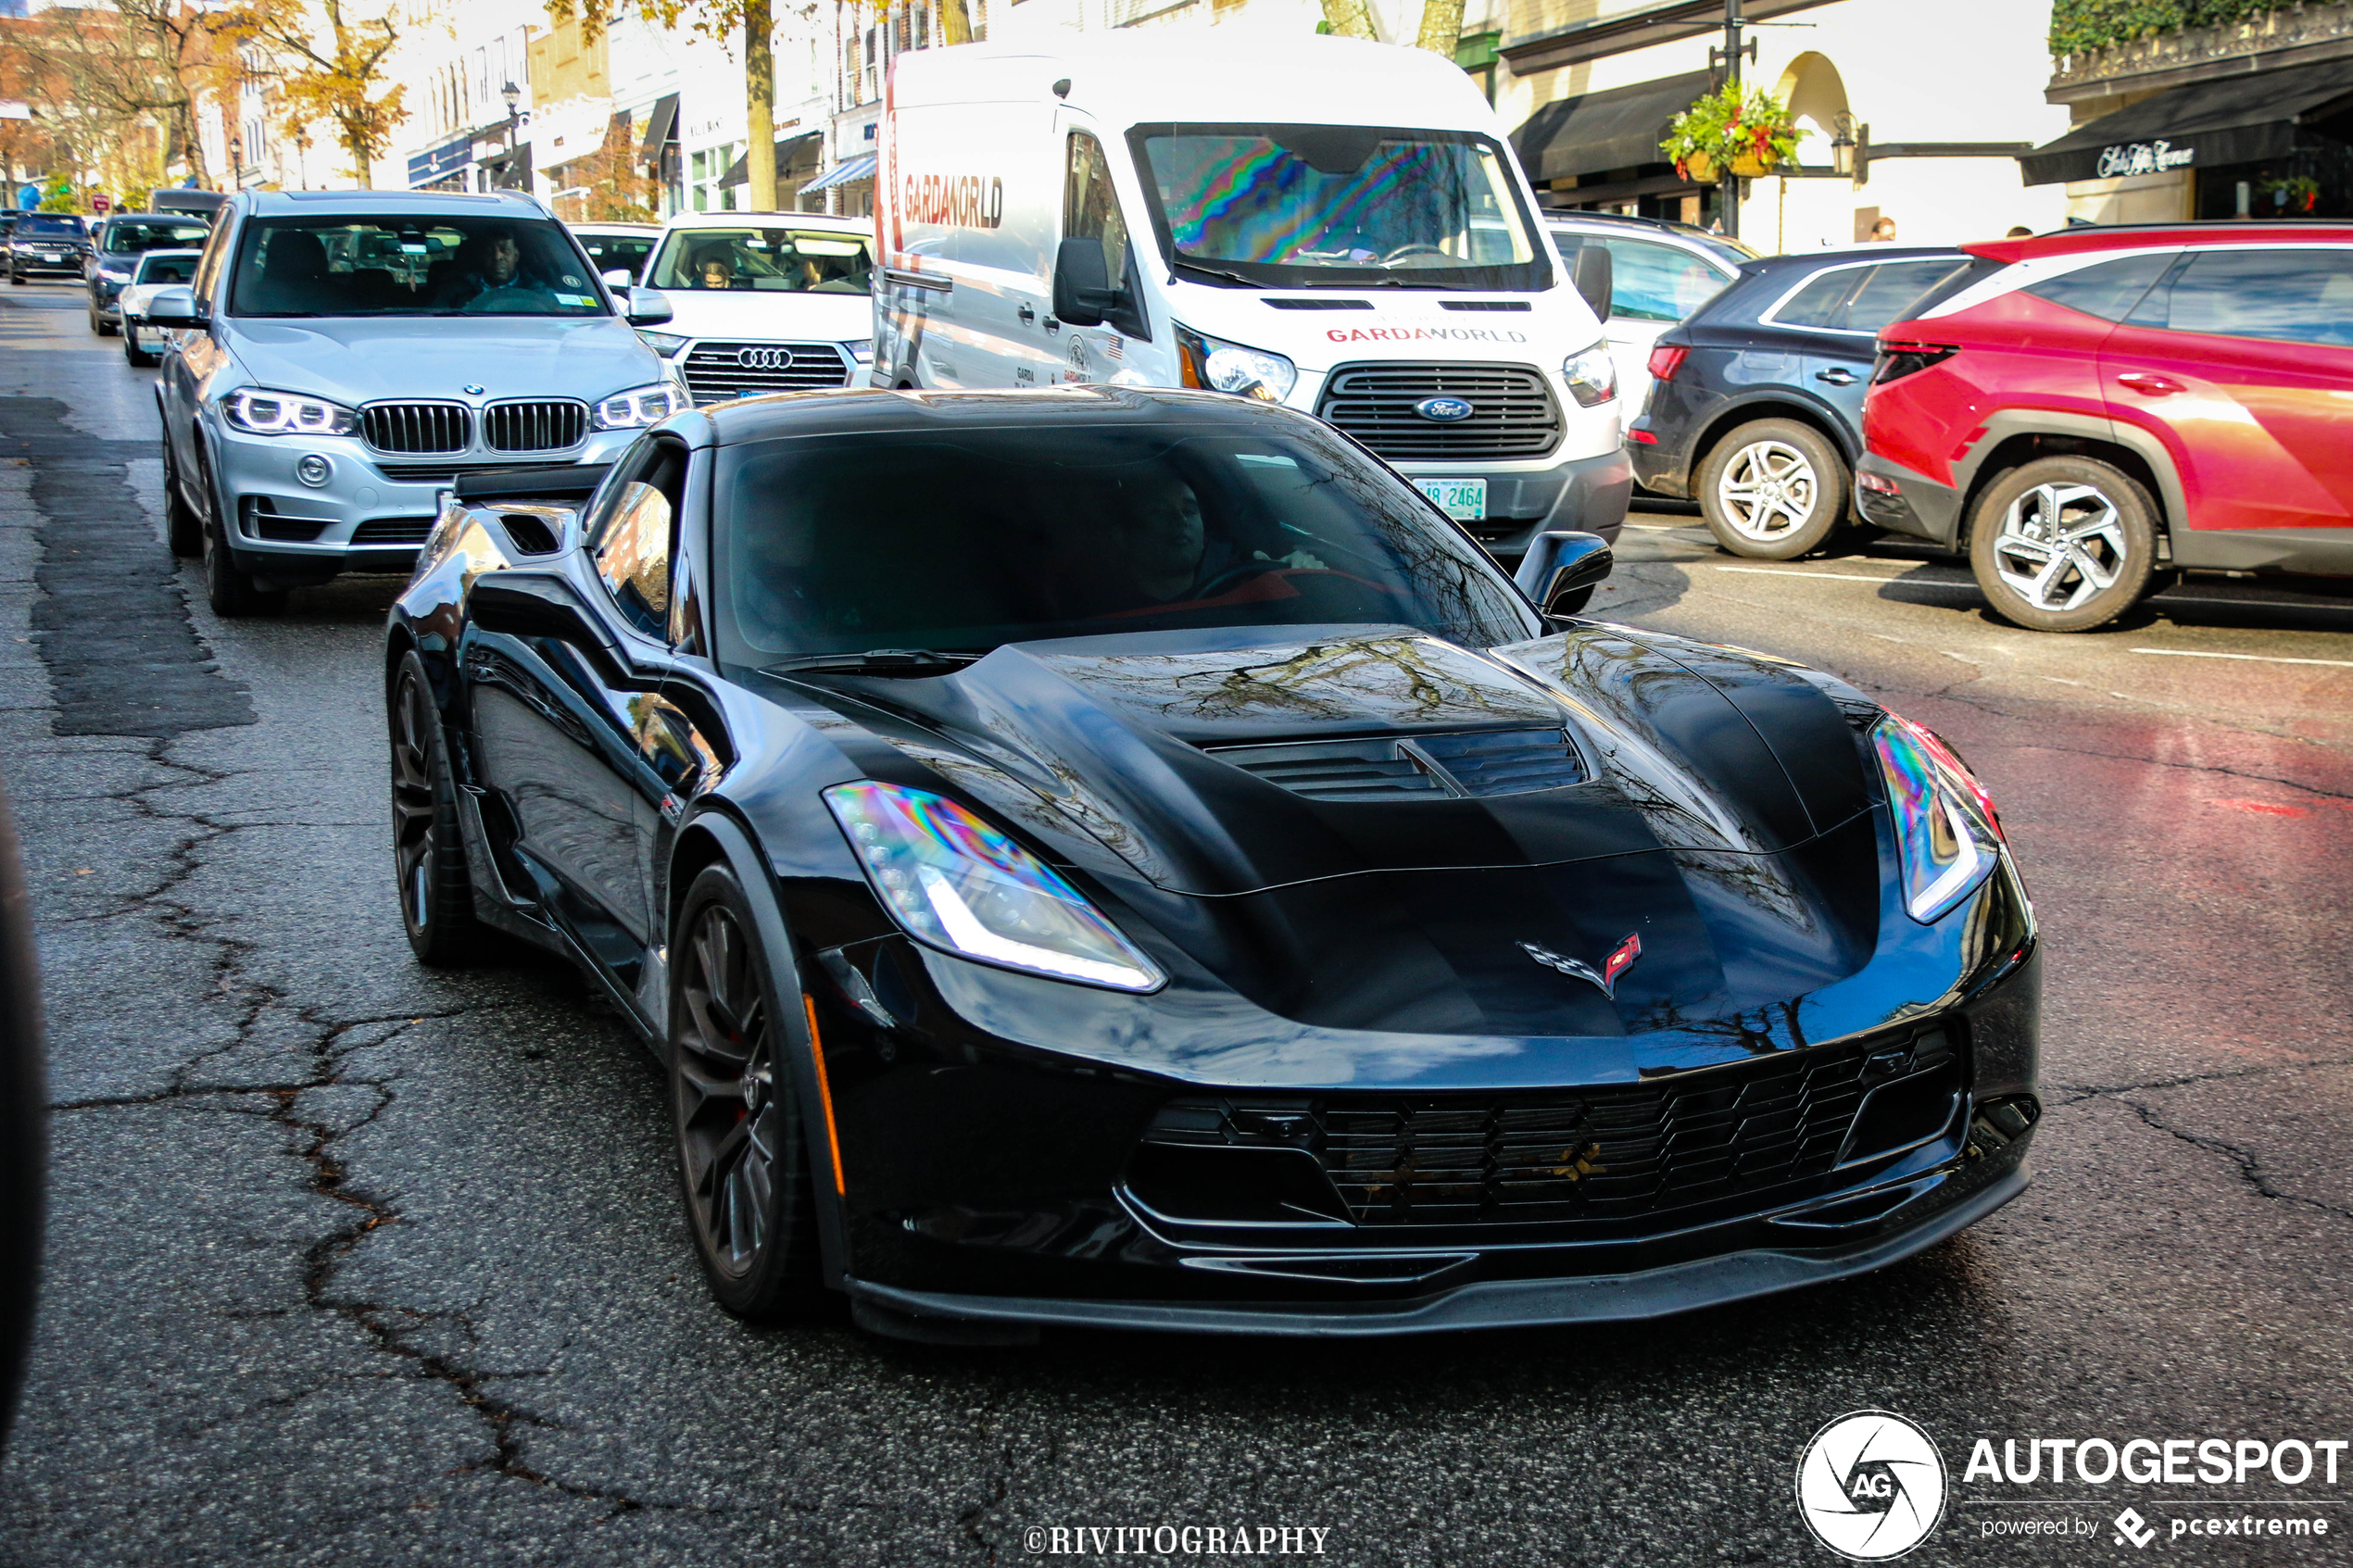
(1122, 857)
(1755, 407)
(116, 248)
(50, 244)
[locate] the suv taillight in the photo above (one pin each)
(1897, 360)
(1666, 359)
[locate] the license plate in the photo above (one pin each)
(1465, 500)
(148, 337)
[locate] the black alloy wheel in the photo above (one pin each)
(428, 849)
(229, 591)
(184, 527)
(743, 1164)
(138, 357)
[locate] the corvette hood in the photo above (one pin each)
(1367, 827)
(361, 360)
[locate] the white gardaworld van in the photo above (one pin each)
(1331, 224)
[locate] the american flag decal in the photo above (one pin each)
(1112, 346)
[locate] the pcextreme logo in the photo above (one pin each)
(1870, 1485)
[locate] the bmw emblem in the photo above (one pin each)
(471, 390)
(1445, 410)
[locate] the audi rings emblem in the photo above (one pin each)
(764, 358)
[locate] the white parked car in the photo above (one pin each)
(143, 344)
(764, 302)
(1660, 273)
(618, 248)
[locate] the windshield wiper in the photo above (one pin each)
(1182, 265)
(875, 661)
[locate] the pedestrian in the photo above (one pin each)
(1884, 232)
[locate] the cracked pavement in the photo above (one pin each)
(355, 1263)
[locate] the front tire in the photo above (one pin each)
(183, 526)
(743, 1164)
(231, 592)
(428, 850)
(1772, 490)
(2063, 544)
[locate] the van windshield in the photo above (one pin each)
(1337, 206)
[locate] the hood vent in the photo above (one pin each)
(1481, 763)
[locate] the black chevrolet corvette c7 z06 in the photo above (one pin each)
(1124, 857)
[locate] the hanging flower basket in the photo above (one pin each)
(1751, 133)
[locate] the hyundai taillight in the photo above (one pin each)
(1897, 360)
(1666, 359)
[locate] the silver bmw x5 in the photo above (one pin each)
(341, 357)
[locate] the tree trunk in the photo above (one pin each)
(1349, 19)
(363, 170)
(1442, 27)
(190, 143)
(955, 22)
(760, 106)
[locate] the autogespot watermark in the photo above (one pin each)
(1175, 1541)
(1872, 1484)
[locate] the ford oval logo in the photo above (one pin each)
(764, 358)
(1445, 410)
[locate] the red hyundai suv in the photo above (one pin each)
(2082, 410)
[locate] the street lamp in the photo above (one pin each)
(512, 95)
(1843, 144)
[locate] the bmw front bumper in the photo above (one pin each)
(369, 512)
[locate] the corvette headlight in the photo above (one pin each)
(1591, 375)
(1945, 829)
(641, 406)
(258, 411)
(1218, 366)
(957, 884)
(667, 344)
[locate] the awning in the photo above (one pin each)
(660, 125)
(860, 167)
(1598, 131)
(2239, 119)
(787, 149)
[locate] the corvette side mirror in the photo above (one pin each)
(647, 307)
(1561, 570)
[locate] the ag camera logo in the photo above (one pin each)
(1870, 1485)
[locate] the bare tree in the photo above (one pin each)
(145, 60)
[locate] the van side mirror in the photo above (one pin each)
(1561, 571)
(647, 307)
(174, 306)
(1083, 295)
(1594, 275)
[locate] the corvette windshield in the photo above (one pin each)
(1348, 205)
(959, 543)
(411, 266)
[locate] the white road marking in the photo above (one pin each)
(1840, 576)
(2250, 657)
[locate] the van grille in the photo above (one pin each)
(716, 371)
(535, 427)
(417, 427)
(1513, 414)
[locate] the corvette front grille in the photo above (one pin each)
(1513, 414)
(1623, 1153)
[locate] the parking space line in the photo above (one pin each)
(2250, 657)
(1846, 577)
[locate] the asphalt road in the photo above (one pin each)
(354, 1263)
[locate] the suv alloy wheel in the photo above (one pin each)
(2063, 544)
(1772, 490)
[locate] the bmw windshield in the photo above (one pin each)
(961, 542)
(343, 266)
(1339, 206)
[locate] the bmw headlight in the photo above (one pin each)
(667, 344)
(1949, 838)
(259, 411)
(641, 406)
(1591, 375)
(957, 884)
(1219, 366)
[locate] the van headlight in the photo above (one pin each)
(259, 411)
(1945, 829)
(956, 884)
(1591, 375)
(1218, 366)
(640, 406)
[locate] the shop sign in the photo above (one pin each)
(2143, 158)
